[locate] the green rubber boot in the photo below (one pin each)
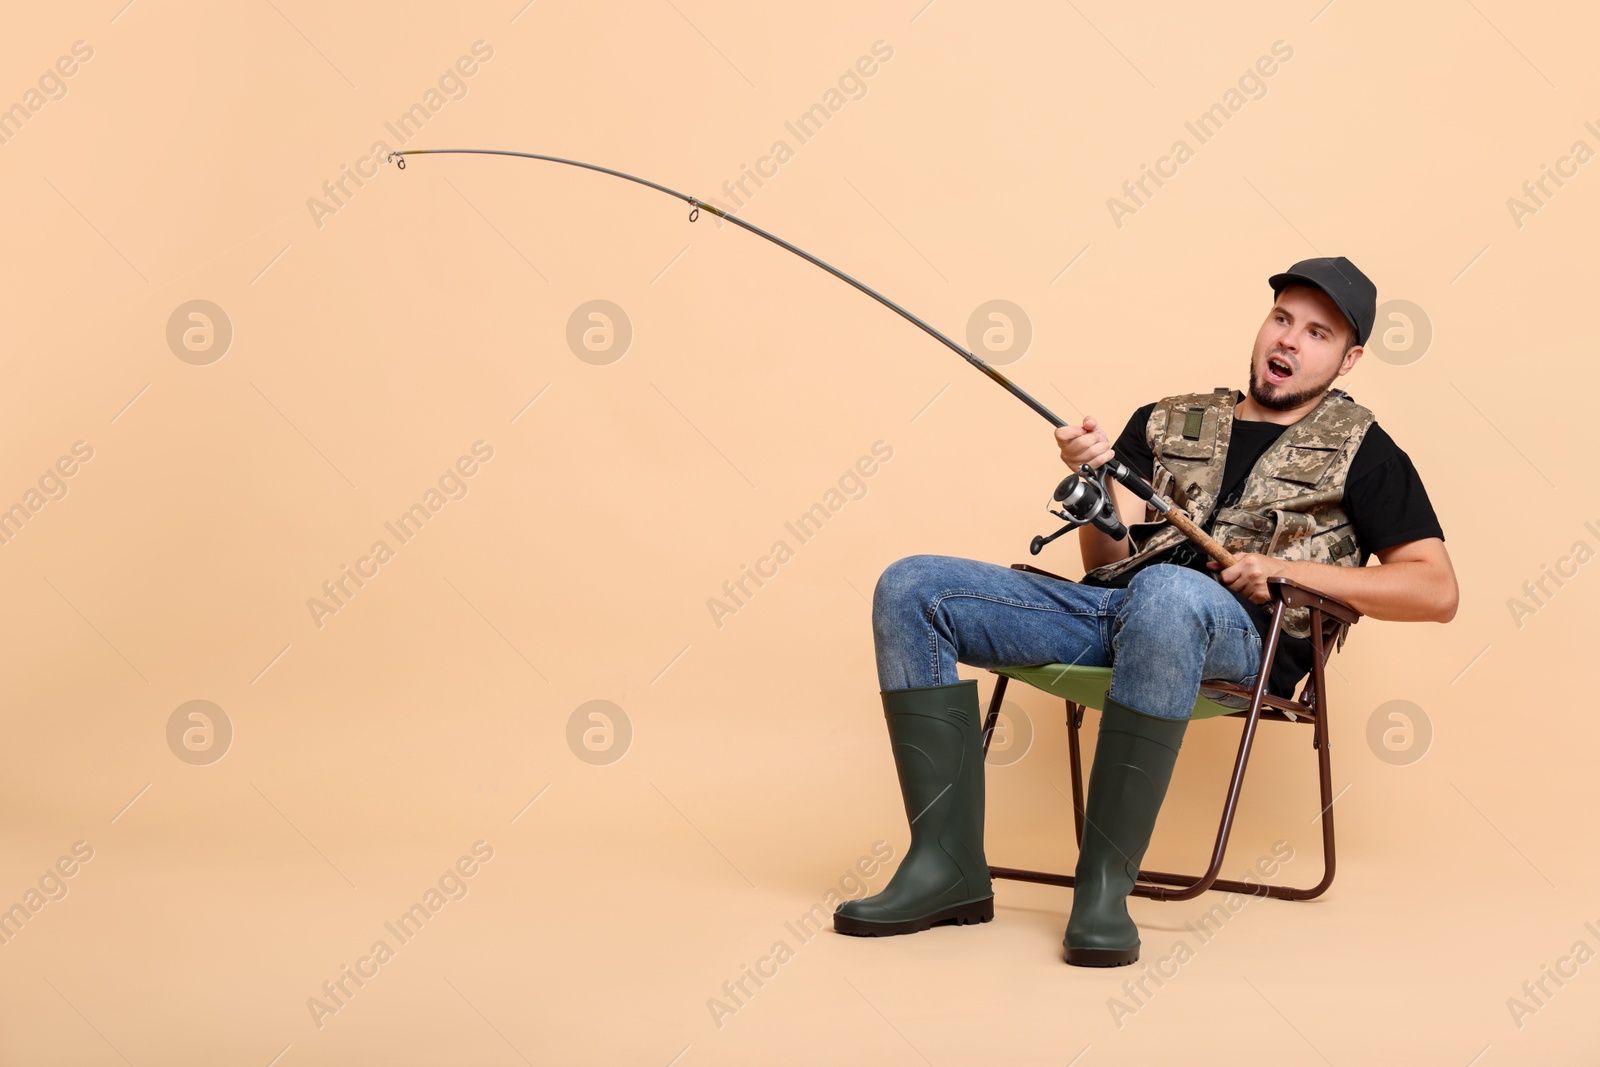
(944, 878)
(1132, 766)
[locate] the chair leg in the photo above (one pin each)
(1319, 741)
(1187, 883)
(1153, 885)
(994, 711)
(1161, 885)
(1018, 874)
(1075, 758)
(1193, 887)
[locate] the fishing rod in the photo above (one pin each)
(1083, 495)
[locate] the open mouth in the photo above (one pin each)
(1278, 369)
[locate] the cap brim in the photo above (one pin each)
(1279, 281)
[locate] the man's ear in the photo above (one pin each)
(1350, 359)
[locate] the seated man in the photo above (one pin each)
(1295, 479)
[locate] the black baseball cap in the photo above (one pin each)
(1351, 291)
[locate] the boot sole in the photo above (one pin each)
(977, 911)
(1101, 957)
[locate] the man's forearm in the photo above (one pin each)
(1402, 591)
(1098, 549)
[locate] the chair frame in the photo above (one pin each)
(1311, 707)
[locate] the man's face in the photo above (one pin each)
(1305, 334)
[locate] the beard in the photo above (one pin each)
(1288, 396)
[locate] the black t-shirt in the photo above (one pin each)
(1383, 495)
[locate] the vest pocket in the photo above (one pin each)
(1293, 528)
(1240, 531)
(1191, 433)
(1336, 544)
(1304, 465)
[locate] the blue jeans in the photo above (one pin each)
(1171, 628)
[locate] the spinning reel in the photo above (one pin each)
(1086, 500)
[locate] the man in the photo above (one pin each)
(1295, 478)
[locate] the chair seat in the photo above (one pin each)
(1088, 686)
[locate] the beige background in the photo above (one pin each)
(371, 351)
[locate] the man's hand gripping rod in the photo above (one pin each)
(1083, 496)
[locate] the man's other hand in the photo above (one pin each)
(1248, 577)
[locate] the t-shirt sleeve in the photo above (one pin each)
(1131, 448)
(1385, 497)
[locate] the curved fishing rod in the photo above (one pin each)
(697, 204)
(1083, 496)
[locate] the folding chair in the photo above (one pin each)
(1085, 687)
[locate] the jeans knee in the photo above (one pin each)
(1168, 582)
(904, 589)
(1166, 603)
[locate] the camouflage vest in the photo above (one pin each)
(1290, 507)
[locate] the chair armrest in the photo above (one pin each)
(1299, 596)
